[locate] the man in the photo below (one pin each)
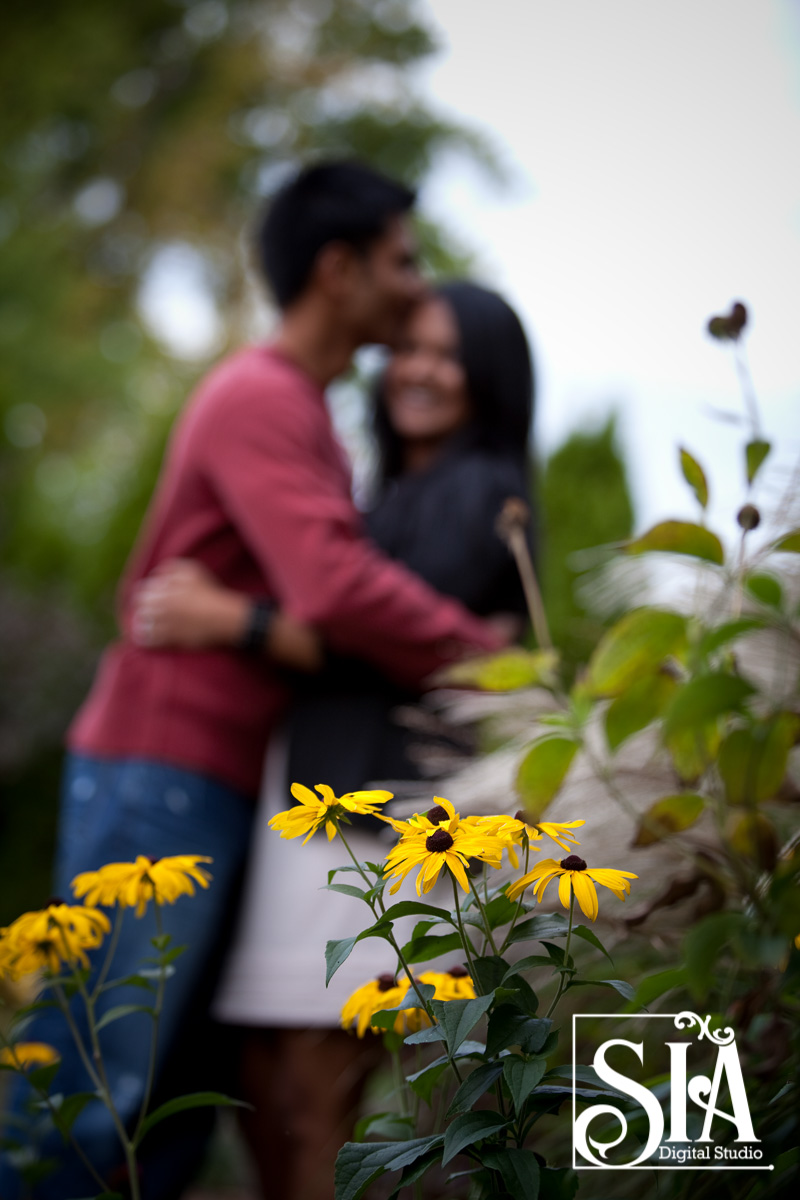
(166, 753)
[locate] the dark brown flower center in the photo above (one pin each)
(572, 863)
(53, 902)
(458, 972)
(520, 815)
(437, 814)
(386, 982)
(152, 861)
(439, 841)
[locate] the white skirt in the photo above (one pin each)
(275, 972)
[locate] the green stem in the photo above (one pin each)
(110, 952)
(522, 893)
(561, 983)
(157, 1008)
(464, 939)
(399, 1082)
(486, 927)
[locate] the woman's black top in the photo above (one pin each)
(441, 524)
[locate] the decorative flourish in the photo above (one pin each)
(136, 883)
(720, 1037)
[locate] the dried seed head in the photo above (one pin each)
(514, 516)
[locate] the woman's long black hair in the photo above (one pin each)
(497, 361)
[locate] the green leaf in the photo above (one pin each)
(345, 889)
(415, 1171)
(421, 1038)
(727, 632)
(459, 1017)
(469, 1128)
(558, 1183)
(388, 1125)
(702, 700)
(421, 949)
(474, 1086)
(693, 750)
(765, 588)
(619, 985)
(702, 947)
(423, 1082)
(194, 1100)
(42, 1077)
(504, 672)
(522, 1075)
(588, 935)
(122, 1010)
(654, 986)
(414, 908)
(336, 952)
(489, 971)
(543, 925)
(635, 647)
(137, 980)
(542, 772)
(752, 761)
(359, 1163)
(695, 476)
(582, 1074)
(680, 537)
(638, 706)
(519, 1170)
(508, 1027)
(70, 1108)
(670, 814)
(790, 542)
(499, 911)
(755, 453)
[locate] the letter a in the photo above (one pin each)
(727, 1061)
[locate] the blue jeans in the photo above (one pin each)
(111, 811)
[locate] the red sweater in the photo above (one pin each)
(256, 487)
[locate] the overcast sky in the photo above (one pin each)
(655, 177)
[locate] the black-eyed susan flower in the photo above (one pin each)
(455, 984)
(440, 839)
(383, 992)
(559, 831)
(135, 884)
(574, 876)
(512, 831)
(43, 940)
(23, 1055)
(312, 813)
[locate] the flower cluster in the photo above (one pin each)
(386, 992)
(43, 940)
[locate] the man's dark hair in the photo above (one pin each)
(330, 202)
(497, 362)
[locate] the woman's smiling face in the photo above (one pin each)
(426, 385)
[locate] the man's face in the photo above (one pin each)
(387, 286)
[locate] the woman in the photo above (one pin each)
(452, 421)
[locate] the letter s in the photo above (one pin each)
(636, 1091)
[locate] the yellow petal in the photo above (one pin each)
(585, 894)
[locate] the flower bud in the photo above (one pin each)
(748, 517)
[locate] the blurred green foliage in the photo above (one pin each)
(585, 503)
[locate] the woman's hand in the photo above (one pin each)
(183, 606)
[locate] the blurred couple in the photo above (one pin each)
(258, 597)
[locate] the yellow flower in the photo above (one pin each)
(59, 933)
(559, 831)
(512, 830)
(311, 814)
(28, 1054)
(454, 984)
(439, 839)
(574, 875)
(380, 993)
(129, 884)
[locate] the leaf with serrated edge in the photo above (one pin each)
(467, 1129)
(459, 1017)
(474, 1086)
(522, 1075)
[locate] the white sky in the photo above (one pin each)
(653, 150)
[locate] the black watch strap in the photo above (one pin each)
(258, 623)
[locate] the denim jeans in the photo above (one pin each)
(111, 811)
